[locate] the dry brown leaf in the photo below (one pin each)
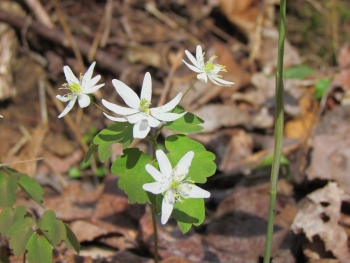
(330, 156)
(30, 151)
(320, 215)
(171, 241)
(74, 203)
(241, 219)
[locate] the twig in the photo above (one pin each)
(174, 67)
(42, 100)
(104, 60)
(40, 13)
(68, 33)
(257, 34)
(108, 17)
(26, 137)
(24, 161)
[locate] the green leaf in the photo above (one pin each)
(39, 249)
(9, 216)
(71, 240)
(93, 148)
(13, 173)
(191, 211)
(133, 175)
(321, 87)
(268, 160)
(54, 229)
(19, 233)
(120, 132)
(8, 186)
(32, 188)
(74, 172)
(186, 124)
(298, 72)
(202, 165)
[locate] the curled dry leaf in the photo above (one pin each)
(320, 215)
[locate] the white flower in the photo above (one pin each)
(171, 182)
(208, 69)
(140, 114)
(79, 88)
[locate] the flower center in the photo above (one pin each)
(144, 106)
(209, 66)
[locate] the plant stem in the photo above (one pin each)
(161, 127)
(190, 87)
(105, 111)
(155, 231)
(278, 132)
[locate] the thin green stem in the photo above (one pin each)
(190, 87)
(278, 132)
(153, 206)
(161, 127)
(155, 231)
(102, 109)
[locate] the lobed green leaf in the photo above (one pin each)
(71, 240)
(19, 234)
(9, 216)
(202, 165)
(54, 229)
(32, 188)
(8, 186)
(133, 175)
(186, 124)
(39, 249)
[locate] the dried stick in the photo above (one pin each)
(104, 60)
(68, 33)
(40, 13)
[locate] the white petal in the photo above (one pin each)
(128, 95)
(167, 205)
(220, 81)
(170, 105)
(88, 74)
(146, 91)
(87, 84)
(203, 77)
(158, 176)
(191, 58)
(193, 191)
(84, 100)
(115, 118)
(141, 129)
(134, 118)
(153, 122)
(69, 75)
(193, 68)
(164, 164)
(199, 55)
(154, 188)
(183, 166)
(168, 116)
(93, 88)
(62, 98)
(118, 109)
(68, 107)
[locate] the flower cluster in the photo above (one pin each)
(171, 182)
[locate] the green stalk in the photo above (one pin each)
(278, 132)
(155, 231)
